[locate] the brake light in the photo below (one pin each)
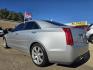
(69, 38)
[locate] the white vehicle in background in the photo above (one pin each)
(1, 32)
(89, 33)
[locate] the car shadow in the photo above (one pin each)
(74, 65)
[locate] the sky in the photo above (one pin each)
(64, 11)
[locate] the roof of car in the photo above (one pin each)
(46, 23)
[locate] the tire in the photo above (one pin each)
(5, 43)
(39, 55)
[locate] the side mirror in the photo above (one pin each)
(10, 29)
(5, 31)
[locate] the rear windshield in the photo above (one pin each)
(55, 23)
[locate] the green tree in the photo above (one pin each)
(4, 13)
(11, 15)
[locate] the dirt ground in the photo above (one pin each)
(11, 59)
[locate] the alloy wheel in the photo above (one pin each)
(37, 55)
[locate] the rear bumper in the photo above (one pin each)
(78, 61)
(70, 57)
(81, 59)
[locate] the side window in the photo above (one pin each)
(19, 27)
(31, 25)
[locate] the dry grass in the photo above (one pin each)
(7, 24)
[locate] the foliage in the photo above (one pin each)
(11, 15)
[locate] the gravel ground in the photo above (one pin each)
(11, 59)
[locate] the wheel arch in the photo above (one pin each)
(40, 44)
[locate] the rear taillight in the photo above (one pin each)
(69, 38)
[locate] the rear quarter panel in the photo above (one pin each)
(52, 39)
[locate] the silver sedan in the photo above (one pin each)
(49, 42)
